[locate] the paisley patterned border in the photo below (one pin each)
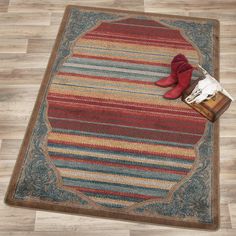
(39, 172)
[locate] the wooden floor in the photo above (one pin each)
(27, 31)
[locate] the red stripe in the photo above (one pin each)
(114, 193)
(137, 113)
(183, 109)
(128, 166)
(156, 41)
(139, 42)
(144, 32)
(115, 116)
(123, 106)
(121, 60)
(105, 78)
(124, 131)
(123, 150)
(118, 119)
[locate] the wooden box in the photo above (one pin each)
(213, 108)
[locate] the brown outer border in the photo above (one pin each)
(44, 205)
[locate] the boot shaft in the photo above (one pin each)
(177, 61)
(184, 75)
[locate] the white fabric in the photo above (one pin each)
(206, 89)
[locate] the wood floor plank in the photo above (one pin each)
(227, 188)
(13, 45)
(25, 18)
(228, 45)
(225, 220)
(18, 93)
(228, 31)
(59, 5)
(28, 31)
(9, 149)
(12, 219)
(225, 17)
(22, 60)
(228, 61)
(48, 221)
(12, 131)
(6, 167)
(232, 210)
(186, 5)
(16, 219)
(40, 45)
(56, 18)
(13, 111)
(228, 127)
(228, 76)
(4, 5)
(227, 149)
(21, 76)
(72, 233)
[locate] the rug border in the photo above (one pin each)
(43, 205)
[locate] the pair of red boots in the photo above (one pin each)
(181, 74)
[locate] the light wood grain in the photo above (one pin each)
(23, 60)
(13, 45)
(232, 208)
(50, 221)
(40, 45)
(4, 5)
(27, 33)
(15, 18)
(80, 233)
(59, 5)
(9, 149)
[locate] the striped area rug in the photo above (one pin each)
(108, 137)
(114, 138)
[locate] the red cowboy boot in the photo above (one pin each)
(172, 78)
(184, 75)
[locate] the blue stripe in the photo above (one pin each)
(122, 153)
(113, 74)
(137, 52)
(115, 187)
(117, 170)
(118, 64)
(111, 205)
(115, 160)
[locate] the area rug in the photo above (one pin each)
(103, 142)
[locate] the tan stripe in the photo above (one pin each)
(117, 157)
(106, 142)
(111, 201)
(129, 55)
(97, 81)
(72, 80)
(119, 96)
(116, 69)
(116, 179)
(133, 47)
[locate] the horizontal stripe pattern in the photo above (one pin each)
(113, 136)
(56, 150)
